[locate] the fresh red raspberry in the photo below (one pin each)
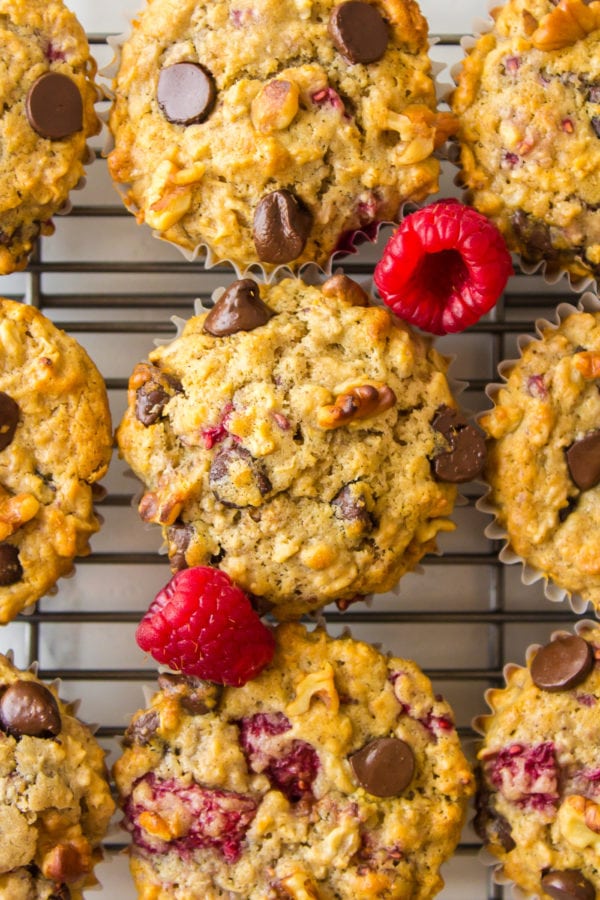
(202, 624)
(444, 267)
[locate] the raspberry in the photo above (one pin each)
(443, 268)
(202, 624)
(290, 766)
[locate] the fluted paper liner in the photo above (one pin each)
(588, 302)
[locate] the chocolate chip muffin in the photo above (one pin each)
(543, 462)
(56, 802)
(48, 113)
(272, 130)
(528, 102)
(334, 773)
(538, 803)
(55, 442)
(301, 439)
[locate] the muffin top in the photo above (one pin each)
(336, 772)
(298, 437)
(543, 452)
(528, 104)
(269, 129)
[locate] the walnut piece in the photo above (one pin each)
(319, 684)
(342, 288)
(361, 402)
(579, 822)
(68, 862)
(567, 23)
(15, 511)
(275, 106)
(587, 362)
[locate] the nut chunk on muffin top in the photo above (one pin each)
(301, 439)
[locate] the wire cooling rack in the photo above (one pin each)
(462, 617)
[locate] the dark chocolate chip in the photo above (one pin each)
(358, 31)
(230, 461)
(186, 93)
(595, 123)
(179, 536)
(490, 825)
(11, 569)
(565, 511)
(533, 234)
(562, 664)
(152, 397)
(466, 456)
(281, 227)
(60, 893)
(142, 729)
(568, 884)
(29, 708)
(350, 505)
(583, 461)
(384, 767)
(238, 309)
(9, 419)
(54, 106)
(197, 697)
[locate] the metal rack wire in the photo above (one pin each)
(116, 307)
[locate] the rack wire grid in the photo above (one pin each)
(111, 285)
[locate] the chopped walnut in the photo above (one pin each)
(163, 512)
(345, 289)
(587, 362)
(579, 822)
(169, 199)
(567, 23)
(317, 684)
(361, 402)
(68, 862)
(15, 511)
(299, 886)
(275, 106)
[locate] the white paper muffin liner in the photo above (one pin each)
(551, 274)
(587, 302)
(478, 724)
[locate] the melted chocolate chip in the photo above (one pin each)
(384, 767)
(358, 31)
(562, 664)
(152, 397)
(197, 697)
(179, 536)
(29, 708)
(238, 309)
(490, 825)
(466, 456)
(142, 730)
(11, 569)
(565, 511)
(350, 505)
(281, 227)
(231, 461)
(533, 234)
(54, 106)
(9, 419)
(583, 461)
(186, 93)
(568, 884)
(60, 893)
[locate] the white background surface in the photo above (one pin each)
(476, 644)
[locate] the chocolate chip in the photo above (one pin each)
(350, 505)
(60, 893)
(152, 397)
(595, 123)
(466, 456)
(562, 664)
(238, 309)
(179, 536)
(533, 234)
(568, 884)
(583, 461)
(228, 477)
(54, 106)
(565, 511)
(29, 708)
(358, 31)
(281, 227)
(490, 825)
(11, 569)
(186, 93)
(384, 767)
(9, 419)
(197, 697)
(142, 729)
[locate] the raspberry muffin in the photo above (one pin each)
(301, 439)
(539, 769)
(528, 103)
(48, 93)
(55, 442)
(543, 455)
(335, 773)
(56, 802)
(270, 130)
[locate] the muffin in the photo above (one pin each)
(543, 457)
(55, 443)
(335, 773)
(48, 114)
(539, 789)
(528, 104)
(56, 802)
(270, 130)
(299, 438)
